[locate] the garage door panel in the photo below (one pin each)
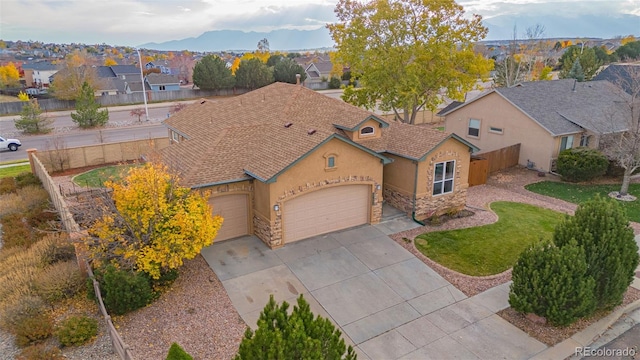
(234, 211)
(326, 210)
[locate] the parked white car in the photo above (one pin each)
(11, 144)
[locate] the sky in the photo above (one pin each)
(133, 22)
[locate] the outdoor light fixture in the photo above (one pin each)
(276, 207)
(378, 187)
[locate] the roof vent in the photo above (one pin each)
(203, 101)
(311, 131)
(288, 125)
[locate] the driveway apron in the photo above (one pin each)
(387, 303)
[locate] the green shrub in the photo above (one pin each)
(177, 353)
(8, 185)
(26, 179)
(601, 228)
(296, 336)
(77, 330)
(124, 291)
(335, 83)
(59, 281)
(33, 329)
(552, 282)
(581, 164)
(40, 352)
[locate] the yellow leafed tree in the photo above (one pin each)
(153, 224)
(109, 62)
(235, 65)
(9, 75)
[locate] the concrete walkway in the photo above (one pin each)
(387, 303)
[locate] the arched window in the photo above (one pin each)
(367, 130)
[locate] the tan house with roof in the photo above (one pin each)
(286, 163)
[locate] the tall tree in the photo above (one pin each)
(296, 336)
(184, 63)
(88, 113)
(576, 71)
(211, 73)
(77, 68)
(587, 57)
(9, 75)
(408, 54)
(253, 74)
(285, 70)
(31, 119)
(151, 223)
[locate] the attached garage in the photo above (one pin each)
(234, 211)
(326, 210)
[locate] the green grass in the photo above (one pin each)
(494, 248)
(576, 193)
(14, 162)
(14, 170)
(97, 177)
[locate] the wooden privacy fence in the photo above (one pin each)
(487, 163)
(76, 235)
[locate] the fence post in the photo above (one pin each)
(32, 152)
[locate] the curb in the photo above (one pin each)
(586, 337)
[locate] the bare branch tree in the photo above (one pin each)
(57, 154)
(624, 146)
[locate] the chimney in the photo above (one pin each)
(297, 79)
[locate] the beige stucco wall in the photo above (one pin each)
(537, 144)
(352, 166)
(400, 181)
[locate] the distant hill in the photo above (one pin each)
(221, 40)
(563, 26)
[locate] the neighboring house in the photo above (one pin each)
(164, 68)
(318, 69)
(286, 163)
(623, 75)
(38, 74)
(162, 82)
(545, 117)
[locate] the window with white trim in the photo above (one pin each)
(566, 142)
(175, 136)
(474, 128)
(367, 130)
(443, 175)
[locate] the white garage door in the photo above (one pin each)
(326, 210)
(233, 208)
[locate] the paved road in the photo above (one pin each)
(121, 127)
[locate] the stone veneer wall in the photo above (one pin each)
(398, 199)
(273, 235)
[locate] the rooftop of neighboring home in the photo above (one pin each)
(565, 106)
(40, 66)
(260, 133)
(627, 76)
(162, 79)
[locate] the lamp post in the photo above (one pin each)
(144, 90)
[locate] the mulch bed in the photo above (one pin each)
(551, 335)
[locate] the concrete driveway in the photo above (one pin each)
(387, 303)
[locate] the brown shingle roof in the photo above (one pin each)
(245, 136)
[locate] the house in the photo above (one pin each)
(625, 75)
(162, 82)
(545, 117)
(164, 68)
(286, 163)
(38, 74)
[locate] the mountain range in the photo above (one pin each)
(500, 28)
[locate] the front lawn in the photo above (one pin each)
(494, 248)
(97, 177)
(577, 194)
(13, 171)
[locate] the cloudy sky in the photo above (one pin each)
(133, 22)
